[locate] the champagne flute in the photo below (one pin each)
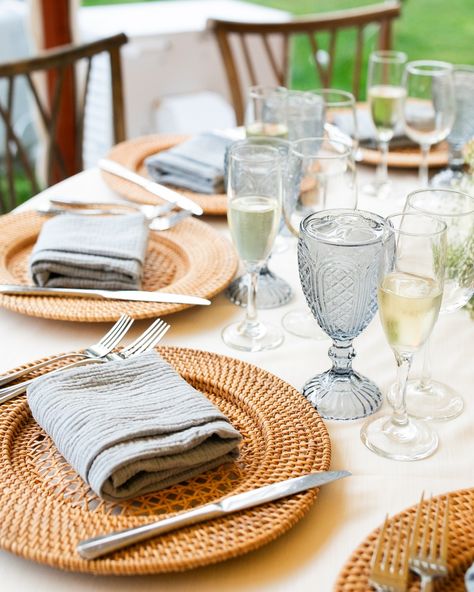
(429, 107)
(411, 282)
(385, 94)
(427, 398)
(254, 190)
(266, 113)
(321, 176)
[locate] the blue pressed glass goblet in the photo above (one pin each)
(339, 254)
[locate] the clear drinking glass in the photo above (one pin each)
(426, 398)
(266, 113)
(429, 106)
(385, 94)
(462, 130)
(339, 255)
(273, 291)
(340, 112)
(254, 190)
(410, 289)
(305, 115)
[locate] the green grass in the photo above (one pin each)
(428, 29)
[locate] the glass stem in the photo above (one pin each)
(251, 322)
(397, 400)
(382, 169)
(425, 151)
(341, 354)
(425, 380)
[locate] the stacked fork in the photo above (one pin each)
(102, 351)
(421, 548)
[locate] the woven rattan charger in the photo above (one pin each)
(191, 258)
(46, 509)
(355, 574)
(132, 154)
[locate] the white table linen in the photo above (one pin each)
(310, 556)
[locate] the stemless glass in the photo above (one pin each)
(254, 190)
(426, 398)
(339, 254)
(321, 176)
(429, 107)
(385, 93)
(411, 282)
(273, 291)
(266, 113)
(305, 115)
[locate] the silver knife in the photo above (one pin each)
(128, 295)
(110, 166)
(103, 544)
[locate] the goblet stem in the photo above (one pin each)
(341, 354)
(425, 150)
(382, 169)
(397, 397)
(425, 380)
(251, 323)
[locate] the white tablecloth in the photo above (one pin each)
(310, 555)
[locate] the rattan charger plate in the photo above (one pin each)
(132, 154)
(354, 576)
(46, 509)
(191, 258)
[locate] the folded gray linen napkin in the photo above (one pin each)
(103, 252)
(197, 164)
(132, 426)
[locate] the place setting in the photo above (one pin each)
(321, 371)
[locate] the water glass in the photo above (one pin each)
(254, 191)
(305, 115)
(429, 107)
(410, 289)
(267, 112)
(339, 255)
(385, 93)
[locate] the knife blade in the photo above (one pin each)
(127, 295)
(103, 544)
(165, 193)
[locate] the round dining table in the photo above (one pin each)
(310, 555)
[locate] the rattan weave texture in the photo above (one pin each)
(132, 154)
(191, 258)
(46, 509)
(354, 576)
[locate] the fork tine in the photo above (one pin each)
(117, 329)
(151, 344)
(416, 527)
(435, 534)
(151, 339)
(445, 533)
(377, 557)
(141, 337)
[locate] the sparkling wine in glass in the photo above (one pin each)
(254, 190)
(429, 107)
(385, 93)
(428, 398)
(411, 280)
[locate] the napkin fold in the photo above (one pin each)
(132, 426)
(197, 164)
(103, 252)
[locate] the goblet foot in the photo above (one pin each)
(376, 189)
(303, 324)
(436, 401)
(447, 179)
(272, 291)
(259, 338)
(411, 441)
(342, 396)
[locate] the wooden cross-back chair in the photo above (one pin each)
(62, 61)
(235, 38)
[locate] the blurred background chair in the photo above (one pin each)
(320, 31)
(22, 170)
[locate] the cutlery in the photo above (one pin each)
(98, 350)
(389, 569)
(103, 544)
(167, 222)
(165, 193)
(118, 207)
(143, 343)
(429, 548)
(127, 295)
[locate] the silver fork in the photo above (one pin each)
(113, 207)
(167, 222)
(429, 549)
(97, 350)
(389, 568)
(147, 340)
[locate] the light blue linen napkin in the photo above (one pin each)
(101, 252)
(132, 426)
(197, 164)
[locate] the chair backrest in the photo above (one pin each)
(235, 42)
(57, 64)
